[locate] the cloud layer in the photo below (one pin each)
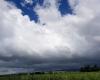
(72, 39)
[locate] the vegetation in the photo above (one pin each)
(54, 76)
(87, 72)
(90, 68)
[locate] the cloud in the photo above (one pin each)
(70, 39)
(29, 2)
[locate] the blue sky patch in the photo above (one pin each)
(28, 9)
(64, 7)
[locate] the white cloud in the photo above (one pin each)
(28, 2)
(73, 34)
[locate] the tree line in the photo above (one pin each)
(89, 68)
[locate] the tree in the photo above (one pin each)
(88, 68)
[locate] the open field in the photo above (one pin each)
(54, 76)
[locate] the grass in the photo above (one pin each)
(54, 76)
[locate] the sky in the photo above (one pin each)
(43, 35)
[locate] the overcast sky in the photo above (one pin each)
(48, 34)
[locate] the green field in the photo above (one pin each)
(54, 76)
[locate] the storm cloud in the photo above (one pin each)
(54, 42)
